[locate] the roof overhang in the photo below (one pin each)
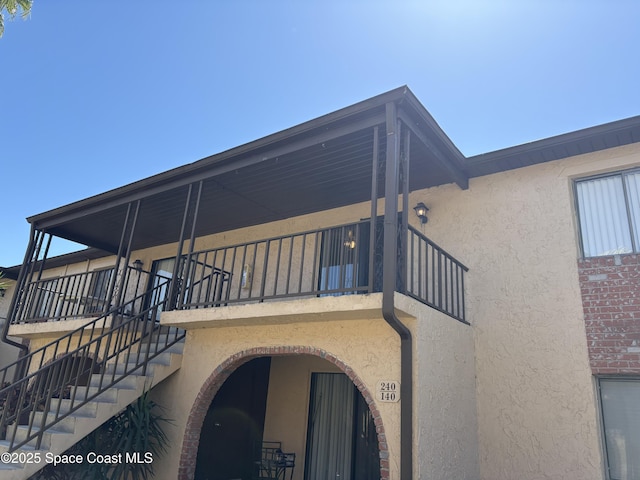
(318, 165)
(321, 164)
(588, 140)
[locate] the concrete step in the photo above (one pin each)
(90, 416)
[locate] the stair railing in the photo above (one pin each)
(61, 377)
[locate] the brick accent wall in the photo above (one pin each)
(191, 439)
(611, 301)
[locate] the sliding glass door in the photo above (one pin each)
(341, 437)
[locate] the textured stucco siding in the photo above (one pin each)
(445, 436)
(537, 414)
(445, 422)
(368, 347)
(531, 410)
(8, 353)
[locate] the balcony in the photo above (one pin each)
(335, 261)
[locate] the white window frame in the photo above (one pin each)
(635, 241)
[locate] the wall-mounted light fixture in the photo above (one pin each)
(421, 211)
(350, 241)
(138, 264)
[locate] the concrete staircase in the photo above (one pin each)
(80, 423)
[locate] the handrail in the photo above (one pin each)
(435, 277)
(328, 261)
(67, 364)
(72, 333)
(74, 295)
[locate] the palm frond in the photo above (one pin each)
(12, 7)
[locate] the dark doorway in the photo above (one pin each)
(366, 455)
(234, 424)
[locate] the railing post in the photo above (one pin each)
(176, 287)
(264, 269)
(18, 300)
(192, 239)
(374, 210)
(389, 284)
(124, 278)
(390, 256)
(401, 281)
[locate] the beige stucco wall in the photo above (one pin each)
(8, 353)
(534, 395)
(368, 346)
(537, 415)
(445, 423)
(444, 387)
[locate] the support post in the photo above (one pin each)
(189, 218)
(131, 231)
(374, 210)
(404, 182)
(192, 239)
(390, 268)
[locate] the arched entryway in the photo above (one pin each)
(283, 421)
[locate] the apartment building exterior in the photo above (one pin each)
(308, 301)
(8, 352)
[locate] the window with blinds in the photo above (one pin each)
(609, 214)
(620, 401)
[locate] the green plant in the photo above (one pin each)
(135, 436)
(138, 430)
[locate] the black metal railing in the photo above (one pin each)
(434, 277)
(77, 295)
(331, 261)
(45, 386)
(61, 377)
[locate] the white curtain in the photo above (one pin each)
(604, 222)
(633, 197)
(330, 436)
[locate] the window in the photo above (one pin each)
(44, 298)
(344, 257)
(161, 272)
(620, 403)
(609, 213)
(96, 301)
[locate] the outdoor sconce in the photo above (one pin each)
(138, 264)
(421, 211)
(350, 242)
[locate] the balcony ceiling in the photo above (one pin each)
(319, 165)
(315, 166)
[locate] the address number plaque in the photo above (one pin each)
(388, 391)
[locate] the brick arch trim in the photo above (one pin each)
(209, 389)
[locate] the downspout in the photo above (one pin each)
(390, 270)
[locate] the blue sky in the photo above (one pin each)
(95, 95)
